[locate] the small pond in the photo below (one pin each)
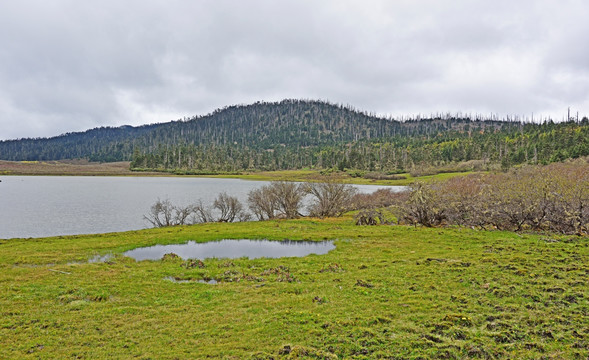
(232, 249)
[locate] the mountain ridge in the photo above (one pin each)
(299, 128)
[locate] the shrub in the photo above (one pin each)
(164, 213)
(423, 205)
(330, 198)
(279, 199)
(378, 199)
(230, 208)
(553, 197)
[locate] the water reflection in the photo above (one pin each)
(252, 249)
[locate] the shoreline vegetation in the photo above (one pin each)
(122, 168)
(552, 198)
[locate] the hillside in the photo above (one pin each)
(296, 134)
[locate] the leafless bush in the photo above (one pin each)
(202, 213)
(229, 207)
(262, 203)
(378, 199)
(553, 197)
(279, 199)
(465, 200)
(331, 198)
(287, 197)
(378, 207)
(164, 213)
(423, 206)
(570, 193)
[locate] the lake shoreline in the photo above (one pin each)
(122, 169)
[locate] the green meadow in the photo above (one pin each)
(390, 292)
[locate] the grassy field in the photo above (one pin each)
(389, 292)
(84, 168)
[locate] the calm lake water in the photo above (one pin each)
(39, 206)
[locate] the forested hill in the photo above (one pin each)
(297, 133)
(106, 144)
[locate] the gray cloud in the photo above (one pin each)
(71, 65)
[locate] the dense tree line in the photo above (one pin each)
(295, 134)
(530, 143)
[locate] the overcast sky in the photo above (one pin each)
(73, 65)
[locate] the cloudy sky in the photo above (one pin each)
(70, 65)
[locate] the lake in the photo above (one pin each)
(40, 206)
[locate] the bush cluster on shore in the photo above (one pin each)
(549, 198)
(278, 200)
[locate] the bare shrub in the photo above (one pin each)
(521, 199)
(202, 213)
(553, 197)
(331, 198)
(279, 199)
(464, 199)
(288, 197)
(164, 213)
(262, 203)
(377, 199)
(230, 208)
(570, 187)
(423, 205)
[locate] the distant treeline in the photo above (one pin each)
(296, 134)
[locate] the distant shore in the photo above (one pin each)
(66, 168)
(122, 168)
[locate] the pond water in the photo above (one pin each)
(39, 206)
(233, 249)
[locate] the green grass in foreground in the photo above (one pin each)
(385, 292)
